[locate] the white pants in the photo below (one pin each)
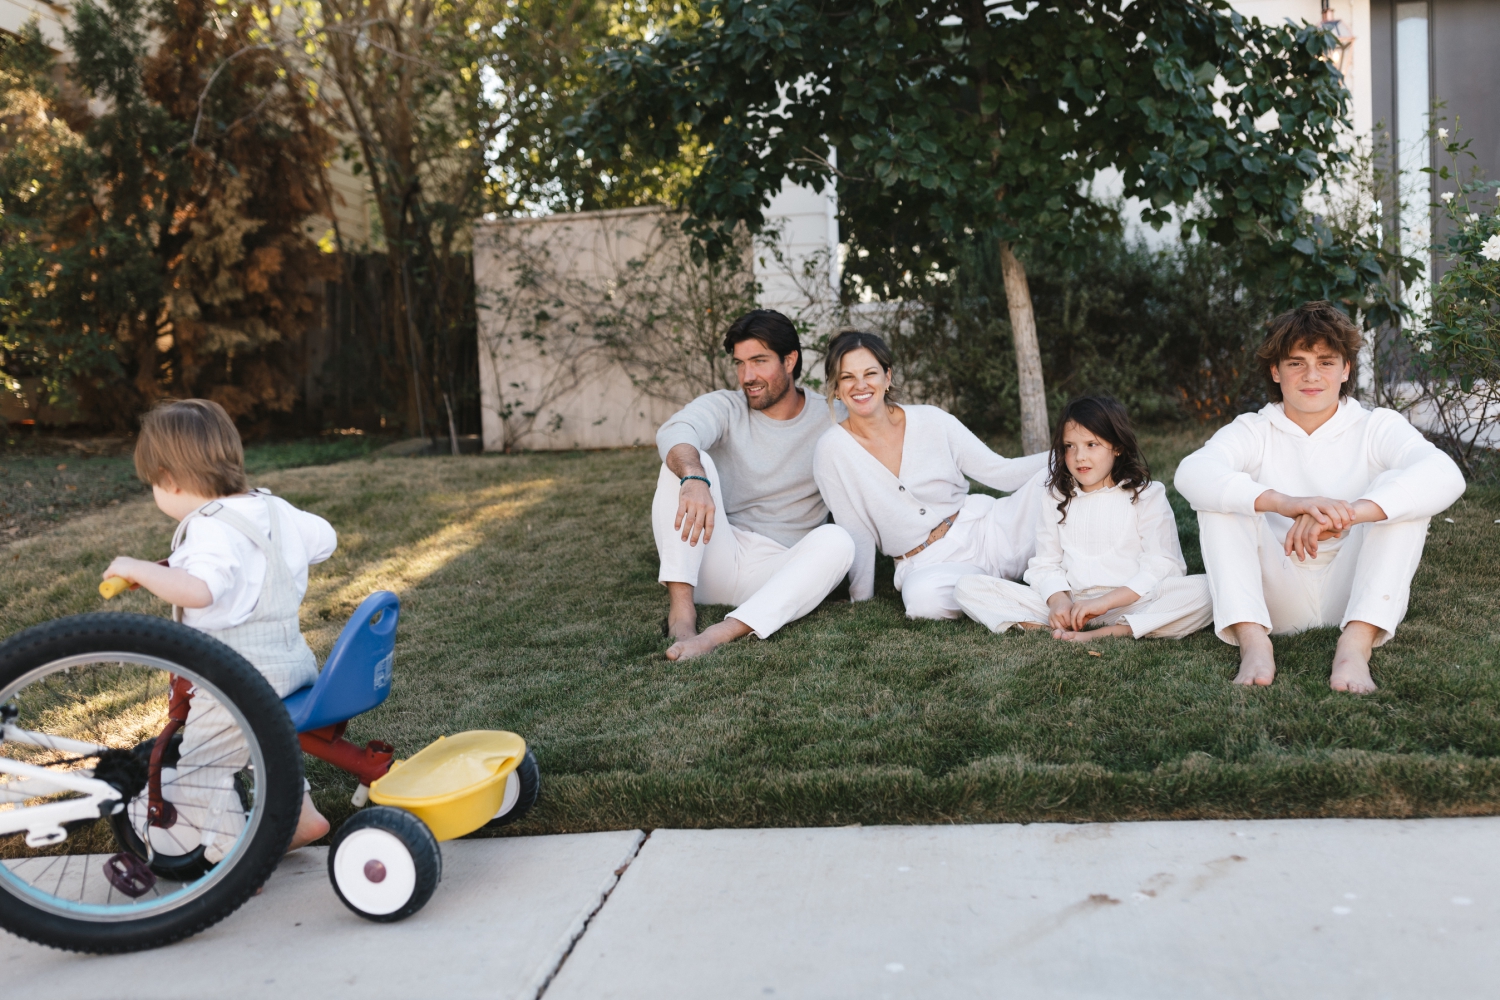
(1180, 606)
(768, 583)
(1367, 578)
(992, 537)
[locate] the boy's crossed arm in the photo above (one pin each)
(175, 586)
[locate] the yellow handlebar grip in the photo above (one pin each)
(113, 587)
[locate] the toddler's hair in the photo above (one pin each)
(1106, 419)
(193, 442)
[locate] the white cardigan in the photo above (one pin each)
(1358, 454)
(1107, 540)
(897, 513)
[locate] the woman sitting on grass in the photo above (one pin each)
(897, 477)
(1107, 553)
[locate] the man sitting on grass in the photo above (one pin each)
(1314, 511)
(748, 455)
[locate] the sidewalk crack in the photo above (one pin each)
(589, 919)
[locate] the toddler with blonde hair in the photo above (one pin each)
(238, 571)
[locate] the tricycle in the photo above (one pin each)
(151, 779)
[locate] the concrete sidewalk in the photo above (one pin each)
(1309, 908)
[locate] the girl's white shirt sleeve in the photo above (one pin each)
(1045, 572)
(1161, 549)
(233, 567)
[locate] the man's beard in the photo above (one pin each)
(775, 392)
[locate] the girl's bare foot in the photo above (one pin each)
(1257, 655)
(311, 825)
(1093, 633)
(1351, 660)
(708, 640)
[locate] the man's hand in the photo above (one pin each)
(1060, 610)
(695, 512)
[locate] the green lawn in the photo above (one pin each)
(531, 603)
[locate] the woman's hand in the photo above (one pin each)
(1060, 609)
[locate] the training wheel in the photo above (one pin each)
(385, 864)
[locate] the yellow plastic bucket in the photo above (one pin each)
(456, 784)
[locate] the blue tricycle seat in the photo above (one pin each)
(357, 674)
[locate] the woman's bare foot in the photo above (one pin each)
(1351, 660)
(1257, 655)
(311, 825)
(708, 640)
(1093, 633)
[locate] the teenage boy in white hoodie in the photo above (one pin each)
(1313, 511)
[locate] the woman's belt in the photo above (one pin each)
(933, 535)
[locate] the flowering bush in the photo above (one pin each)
(1457, 354)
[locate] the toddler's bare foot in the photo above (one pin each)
(1093, 633)
(708, 640)
(1351, 660)
(311, 825)
(1257, 655)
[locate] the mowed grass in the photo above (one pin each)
(530, 603)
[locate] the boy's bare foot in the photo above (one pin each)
(709, 640)
(682, 613)
(311, 825)
(1093, 633)
(1351, 660)
(1257, 655)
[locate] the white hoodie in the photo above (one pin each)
(1342, 460)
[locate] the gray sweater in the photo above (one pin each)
(765, 466)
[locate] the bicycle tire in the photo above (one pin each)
(278, 796)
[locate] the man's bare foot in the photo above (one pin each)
(1257, 655)
(1093, 633)
(1351, 660)
(682, 613)
(311, 825)
(1029, 626)
(709, 640)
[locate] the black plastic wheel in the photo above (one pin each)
(530, 777)
(385, 864)
(118, 667)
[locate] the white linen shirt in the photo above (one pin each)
(1358, 454)
(896, 513)
(1107, 541)
(233, 566)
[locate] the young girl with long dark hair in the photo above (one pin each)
(1107, 560)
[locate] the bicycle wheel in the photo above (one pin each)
(107, 843)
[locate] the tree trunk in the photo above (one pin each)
(1035, 433)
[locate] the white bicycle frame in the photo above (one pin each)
(44, 823)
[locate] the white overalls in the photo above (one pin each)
(213, 750)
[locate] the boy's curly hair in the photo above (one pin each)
(1303, 329)
(193, 443)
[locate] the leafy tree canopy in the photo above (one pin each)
(952, 118)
